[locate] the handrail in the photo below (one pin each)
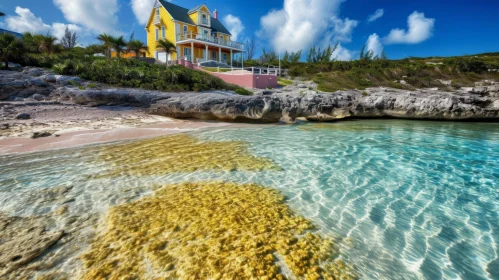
(210, 39)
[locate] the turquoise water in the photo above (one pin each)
(405, 199)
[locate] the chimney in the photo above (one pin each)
(215, 14)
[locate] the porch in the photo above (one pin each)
(197, 48)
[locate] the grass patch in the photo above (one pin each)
(242, 91)
(284, 82)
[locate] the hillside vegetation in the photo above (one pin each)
(68, 59)
(446, 73)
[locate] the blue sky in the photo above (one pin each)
(400, 28)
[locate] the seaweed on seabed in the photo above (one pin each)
(215, 230)
(179, 153)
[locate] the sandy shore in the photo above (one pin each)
(73, 125)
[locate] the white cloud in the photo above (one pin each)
(379, 13)
(26, 21)
(301, 23)
(374, 45)
(340, 30)
(97, 16)
(420, 29)
(342, 54)
(58, 29)
(234, 25)
(142, 10)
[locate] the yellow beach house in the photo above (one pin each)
(197, 33)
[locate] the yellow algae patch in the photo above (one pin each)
(180, 153)
(210, 230)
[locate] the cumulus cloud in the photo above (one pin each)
(374, 44)
(26, 21)
(379, 13)
(234, 25)
(420, 29)
(342, 54)
(58, 29)
(340, 30)
(142, 10)
(98, 16)
(301, 23)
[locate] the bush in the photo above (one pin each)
(132, 73)
(242, 91)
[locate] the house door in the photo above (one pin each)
(204, 54)
(187, 53)
(162, 56)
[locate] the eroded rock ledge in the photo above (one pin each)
(374, 102)
(479, 103)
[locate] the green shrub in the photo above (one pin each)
(242, 91)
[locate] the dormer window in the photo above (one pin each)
(204, 19)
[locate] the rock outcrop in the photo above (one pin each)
(372, 103)
(301, 100)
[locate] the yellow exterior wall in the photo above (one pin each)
(166, 20)
(194, 17)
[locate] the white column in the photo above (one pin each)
(206, 54)
(192, 52)
(219, 54)
(231, 58)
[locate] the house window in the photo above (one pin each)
(157, 12)
(225, 57)
(185, 29)
(163, 31)
(214, 55)
(157, 34)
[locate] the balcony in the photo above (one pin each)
(204, 21)
(195, 37)
(157, 20)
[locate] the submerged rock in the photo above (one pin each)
(211, 230)
(23, 240)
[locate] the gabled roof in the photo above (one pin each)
(195, 9)
(3, 31)
(182, 14)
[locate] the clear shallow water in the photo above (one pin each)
(408, 200)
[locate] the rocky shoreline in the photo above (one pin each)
(286, 104)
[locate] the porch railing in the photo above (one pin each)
(209, 39)
(205, 21)
(248, 70)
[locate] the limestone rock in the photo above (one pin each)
(35, 72)
(40, 134)
(23, 240)
(23, 116)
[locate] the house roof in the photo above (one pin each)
(195, 8)
(3, 31)
(182, 14)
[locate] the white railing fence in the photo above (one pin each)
(210, 39)
(247, 70)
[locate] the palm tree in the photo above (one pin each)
(137, 46)
(10, 46)
(106, 41)
(119, 45)
(166, 45)
(47, 43)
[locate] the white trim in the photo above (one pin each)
(209, 43)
